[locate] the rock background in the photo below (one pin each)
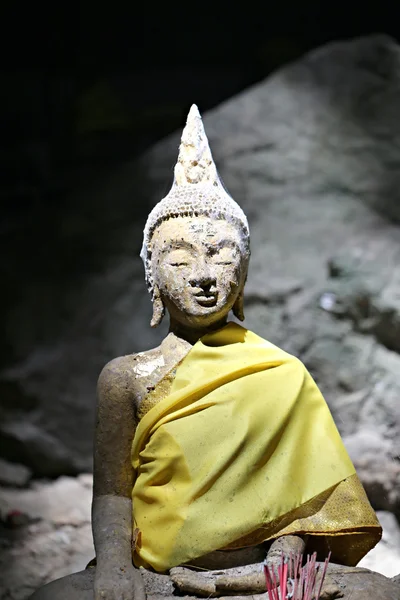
(312, 154)
(51, 537)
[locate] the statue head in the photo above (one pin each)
(196, 245)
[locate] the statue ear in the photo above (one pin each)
(158, 308)
(238, 307)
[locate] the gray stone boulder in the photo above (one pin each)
(53, 540)
(312, 154)
(13, 474)
(385, 557)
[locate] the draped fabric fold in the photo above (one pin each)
(242, 449)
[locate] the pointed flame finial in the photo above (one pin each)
(195, 162)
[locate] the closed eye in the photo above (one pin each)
(178, 264)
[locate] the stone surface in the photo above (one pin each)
(56, 539)
(13, 474)
(385, 557)
(378, 470)
(312, 156)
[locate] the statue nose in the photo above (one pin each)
(202, 280)
(202, 276)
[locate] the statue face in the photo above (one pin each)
(198, 268)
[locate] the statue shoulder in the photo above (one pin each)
(126, 377)
(117, 378)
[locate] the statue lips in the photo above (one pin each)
(206, 298)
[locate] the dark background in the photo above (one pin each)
(87, 86)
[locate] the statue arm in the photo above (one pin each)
(113, 481)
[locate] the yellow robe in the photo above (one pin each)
(241, 450)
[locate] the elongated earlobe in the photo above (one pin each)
(158, 309)
(238, 307)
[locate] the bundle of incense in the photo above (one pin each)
(296, 582)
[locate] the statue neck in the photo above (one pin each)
(192, 334)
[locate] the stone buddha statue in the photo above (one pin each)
(216, 449)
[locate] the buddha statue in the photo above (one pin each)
(216, 449)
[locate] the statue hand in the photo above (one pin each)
(119, 584)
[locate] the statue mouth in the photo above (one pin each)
(206, 298)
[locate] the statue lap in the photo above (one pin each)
(349, 583)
